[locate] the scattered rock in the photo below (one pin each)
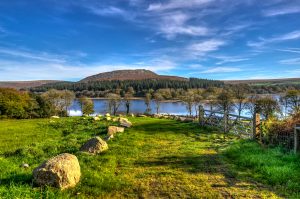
(94, 146)
(55, 117)
(112, 130)
(188, 119)
(125, 122)
(24, 165)
(96, 118)
(107, 115)
(109, 137)
(142, 116)
(62, 171)
(132, 115)
(182, 119)
(108, 118)
(115, 119)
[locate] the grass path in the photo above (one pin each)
(154, 159)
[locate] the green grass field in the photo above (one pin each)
(156, 158)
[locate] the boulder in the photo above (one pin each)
(112, 130)
(125, 122)
(115, 119)
(181, 119)
(62, 171)
(108, 118)
(188, 119)
(107, 115)
(55, 117)
(94, 146)
(96, 118)
(142, 116)
(24, 165)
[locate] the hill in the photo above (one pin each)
(264, 81)
(25, 84)
(121, 75)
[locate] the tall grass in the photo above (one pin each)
(270, 166)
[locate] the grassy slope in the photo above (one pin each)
(154, 159)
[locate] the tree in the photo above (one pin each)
(225, 101)
(86, 105)
(267, 106)
(60, 100)
(147, 100)
(158, 98)
(239, 93)
(210, 96)
(293, 100)
(197, 100)
(127, 98)
(114, 102)
(188, 99)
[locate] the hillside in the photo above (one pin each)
(121, 75)
(264, 81)
(25, 84)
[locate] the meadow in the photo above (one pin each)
(156, 158)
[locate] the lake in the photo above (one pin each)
(138, 106)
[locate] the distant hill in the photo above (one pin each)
(121, 75)
(265, 81)
(25, 84)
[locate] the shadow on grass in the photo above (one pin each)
(22, 178)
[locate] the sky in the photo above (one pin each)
(213, 39)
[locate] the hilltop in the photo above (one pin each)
(25, 84)
(121, 75)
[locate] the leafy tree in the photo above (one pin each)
(225, 101)
(267, 106)
(293, 100)
(87, 106)
(189, 99)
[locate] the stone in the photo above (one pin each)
(62, 171)
(25, 165)
(132, 115)
(55, 117)
(109, 137)
(94, 146)
(188, 119)
(108, 118)
(112, 130)
(125, 122)
(96, 118)
(115, 119)
(107, 115)
(142, 116)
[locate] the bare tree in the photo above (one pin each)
(114, 102)
(188, 99)
(225, 101)
(127, 98)
(239, 93)
(267, 106)
(147, 100)
(158, 98)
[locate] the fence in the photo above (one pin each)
(250, 128)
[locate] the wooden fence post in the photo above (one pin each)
(296, 138)
(225, 122)
(201, 115)
(256, 126)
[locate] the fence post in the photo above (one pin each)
(296, 138)
(201, 115)
(256, 126)
(225, 122)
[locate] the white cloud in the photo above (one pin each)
(294, 61)
(291, 50)
(229, 59)
(281, 11)
(42, 56)
(285, 37)
(37, 70)
(177, 4)
(221, 70)
(203, 47)
(176, 23)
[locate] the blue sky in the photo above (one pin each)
(215, 39)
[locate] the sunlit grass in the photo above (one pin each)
(156, 158)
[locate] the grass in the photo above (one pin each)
(270, 166)
(156, 158)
